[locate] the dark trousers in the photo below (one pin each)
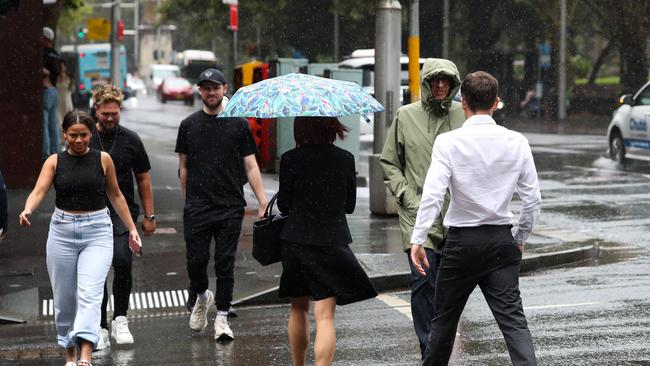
(486, 256)
(122, 279)
(198, 236)
(422, 296)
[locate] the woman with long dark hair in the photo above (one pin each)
(80, 239)
(317, 189)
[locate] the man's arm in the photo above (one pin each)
(255, 180)
(182, 172)
(433, 197)
(531, 200)
(146, 197)
(392, 161)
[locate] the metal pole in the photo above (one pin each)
(234, 49)
(115, 45)
(414, 51)
(445, 30)
(336, 31)
(136, 37)
(562, 77)
(387, 91)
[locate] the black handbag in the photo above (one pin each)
(266, 236)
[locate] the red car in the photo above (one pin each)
(176, 89)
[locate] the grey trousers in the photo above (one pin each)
(486, 256)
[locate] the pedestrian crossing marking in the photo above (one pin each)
(396, 303)
(137, 301)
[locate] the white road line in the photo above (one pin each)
(44, 307)
(155, 300)
(150, 301)
(143, 296)
(50, 307)
(163, 303)
(112, 303)
(168, 298)
(131, 302)
(186, 295)
(396, 303)
(174, 299)
(137, 302)
(559, 305)
(181, 298)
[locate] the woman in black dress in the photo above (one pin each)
(317, 189)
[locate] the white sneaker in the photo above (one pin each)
(199, 316)
(222, 331)
(104, 341)
(120, 331)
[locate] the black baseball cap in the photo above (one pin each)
(213, 75)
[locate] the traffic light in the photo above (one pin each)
(81, 33)
(120, 30)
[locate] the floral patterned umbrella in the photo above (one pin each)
(294, 95)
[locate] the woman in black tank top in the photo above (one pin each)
(80, 239)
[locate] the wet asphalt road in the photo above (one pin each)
(593, 314)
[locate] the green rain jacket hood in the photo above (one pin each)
(406, 156)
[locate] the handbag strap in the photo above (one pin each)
(269, 207)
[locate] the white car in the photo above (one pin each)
(628, 134)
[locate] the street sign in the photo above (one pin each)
(230, 2)
(99, 29)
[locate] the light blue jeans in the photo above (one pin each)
(79, 255)
(51, 133)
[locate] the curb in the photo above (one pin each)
(400, 280)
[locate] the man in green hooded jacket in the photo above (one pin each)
(405, 160)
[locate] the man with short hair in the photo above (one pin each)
(131, 160)
(216, 158)
(482, 164)
(405, 160)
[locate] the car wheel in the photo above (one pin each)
(617, 148)
(163, 100)
(190, 102)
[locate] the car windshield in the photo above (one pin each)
(177, 83)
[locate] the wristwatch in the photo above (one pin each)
(151, 217)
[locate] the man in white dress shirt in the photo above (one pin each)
(482, 164)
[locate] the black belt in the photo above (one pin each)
(480, 227)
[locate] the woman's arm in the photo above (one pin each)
(45, 179)
(116, 198)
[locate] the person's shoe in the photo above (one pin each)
(222, 331)
(199, 316)
(120, 331)
(104, 341)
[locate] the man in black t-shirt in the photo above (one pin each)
(217, 157)
(130, 159)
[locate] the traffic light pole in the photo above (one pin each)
(115, 45)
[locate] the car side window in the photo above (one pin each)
(643, 98)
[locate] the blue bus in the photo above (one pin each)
(90, 65)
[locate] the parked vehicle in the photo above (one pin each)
(90, 65)
(135, 85)
(193, 62)
(175, 88)
(627, 133)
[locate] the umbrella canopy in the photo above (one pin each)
(294, 95)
